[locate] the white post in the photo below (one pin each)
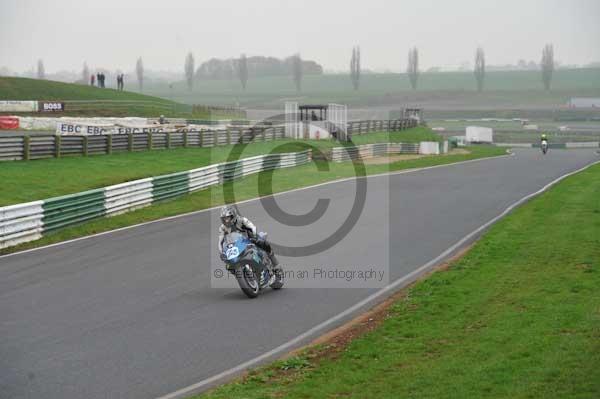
(291, 120)
(337, 116)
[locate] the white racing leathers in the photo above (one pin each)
(244, 225)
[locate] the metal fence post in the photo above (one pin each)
(85, 146)
(109, 144)
(150, 141)
(26, 147)
(185, 139)
(228, 136)
(57, 144)
(130, 142)
(168, 140)
(201, 138)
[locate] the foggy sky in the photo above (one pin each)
(113, 33)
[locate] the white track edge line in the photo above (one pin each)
(245, 201)
(195, 388)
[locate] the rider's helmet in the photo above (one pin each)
(228, 215)
(543, 136)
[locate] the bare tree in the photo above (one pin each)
(547, 65)
(189, 70)
(413, 67)
(355, 67)
(41, 71)
(479, 68)
(242, 70)
(139, 70)
(297, 71)
(85, 73)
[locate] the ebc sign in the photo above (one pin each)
(66, 129)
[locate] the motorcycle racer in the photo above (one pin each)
(232, 221)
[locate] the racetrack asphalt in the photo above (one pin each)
(132, 314)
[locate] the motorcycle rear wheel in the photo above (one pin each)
(278, 283)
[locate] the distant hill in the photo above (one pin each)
(258, 66)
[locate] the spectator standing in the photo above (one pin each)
(122, 81)
(103, 79)
(92, 79)
(98, 79)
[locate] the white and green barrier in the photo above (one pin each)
(30, 221)
(582, 144)
(576, 144)
(342, 154)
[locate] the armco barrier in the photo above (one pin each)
(72, 209)
(26, 222)
(589, 144)
(367, 126)
(11, 148)
(125, 197)
(582, 144)
(21, 223)
(37, 147)
(519, 145)
(341, 154)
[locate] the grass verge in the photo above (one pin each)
(247, 188)
(24, 181)
(517, 317)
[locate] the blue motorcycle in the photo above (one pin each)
(250, 265)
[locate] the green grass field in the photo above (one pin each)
(517, 317)
(506, 89)
(24, 181)
(36, 89)
(247, 188)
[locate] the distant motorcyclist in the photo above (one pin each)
(231, 221)
(544, 143)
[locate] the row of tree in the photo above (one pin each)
(298, 67)
(412, 70)
(241, 68)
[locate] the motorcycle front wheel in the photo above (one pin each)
(247, 280)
